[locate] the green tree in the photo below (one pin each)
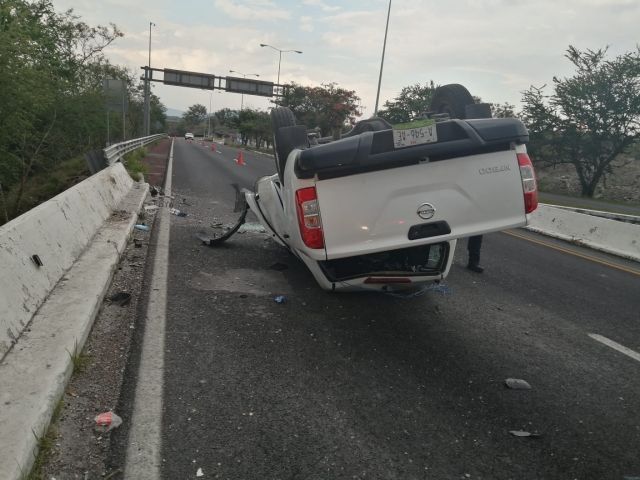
(253, 125)
(225, 115)
(50, 102)
(590, 118)
(412, 101)
(195, 114)
(52, 106)
(326, 107)
(503, 110)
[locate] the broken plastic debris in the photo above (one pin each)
(108, 419)
(517, 384)
(144, 228)
(524, 434)
(252, 227)
(177, 212)
(137, 243)
(206, 239)
(199, 473)
(150, 208)
(121, 298)
(154, 192)
(279, 299)
(278, 266)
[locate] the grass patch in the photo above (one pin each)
(46, 185)
(80, 361)
(132, 162)
(46, 441)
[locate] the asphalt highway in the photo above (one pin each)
(332, 386)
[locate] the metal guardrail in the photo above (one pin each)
(100, 159)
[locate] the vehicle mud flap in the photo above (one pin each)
(241, 206)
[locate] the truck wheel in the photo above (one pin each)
(451, 99)
(281, 117)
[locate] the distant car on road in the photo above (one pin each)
(188, 136)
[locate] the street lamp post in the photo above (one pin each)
(384, 47)
(244, 75)
(147, 91)
(280, 60)
(209, 116)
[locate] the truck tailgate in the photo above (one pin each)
(375, 211)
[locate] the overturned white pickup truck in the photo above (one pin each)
(383, 206)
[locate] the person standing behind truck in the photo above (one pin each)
(473, 246)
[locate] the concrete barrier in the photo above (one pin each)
(597, 213)
(604, 234)
(58, 231)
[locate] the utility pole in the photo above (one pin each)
(384, 47)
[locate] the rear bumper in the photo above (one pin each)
(359, 285)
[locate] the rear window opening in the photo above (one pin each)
(423, 260)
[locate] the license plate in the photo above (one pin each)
(414, 133)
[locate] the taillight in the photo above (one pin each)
(529, 185)
(309, 218)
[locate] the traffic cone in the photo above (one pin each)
(240, 160)
(203, 143)
(191, 140)
(213, 147)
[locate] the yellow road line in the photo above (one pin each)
(613, 265)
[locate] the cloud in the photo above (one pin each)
(477, 44)
(244, 12)
(321, 4)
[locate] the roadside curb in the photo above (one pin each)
(36, 372)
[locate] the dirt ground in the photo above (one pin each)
(79, 448)
(621, 186)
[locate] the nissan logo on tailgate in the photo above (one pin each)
(426, 211)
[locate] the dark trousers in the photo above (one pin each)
(473, 245)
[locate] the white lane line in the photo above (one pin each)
(143, 452)
(616, 346)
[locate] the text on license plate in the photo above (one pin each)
(414, 133)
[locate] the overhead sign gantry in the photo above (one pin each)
(205, 81)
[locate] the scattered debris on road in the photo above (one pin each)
(113, 474)
(175, 211)
(121, 298)
(150, 208)
(524, 434)
(279, 299)
(517, 384)
(144, 228)
(252, 227)
(108, 419)
(199, 473)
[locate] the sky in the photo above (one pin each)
(495, 48)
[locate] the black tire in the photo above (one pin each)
(451, 99)
(281, 117)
